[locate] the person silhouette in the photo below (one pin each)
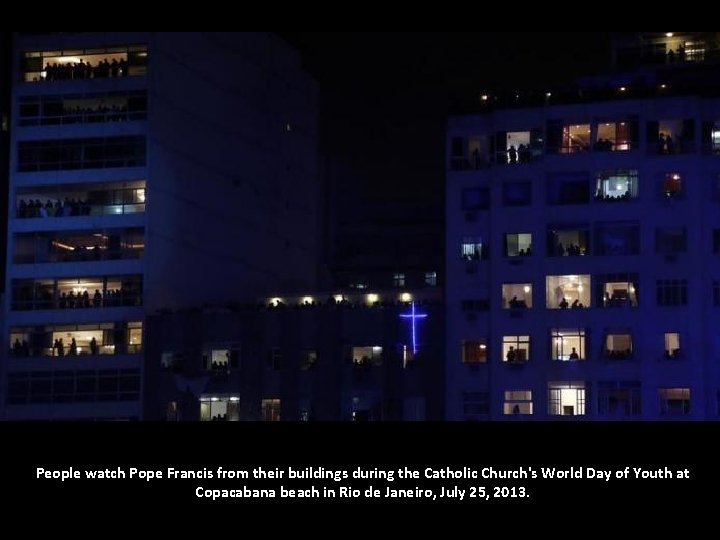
(669, 145)
(512, 155)
(511, 355)
(574, 355)
(476, 158)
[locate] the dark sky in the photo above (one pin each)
(386, 95)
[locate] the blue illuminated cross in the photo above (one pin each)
(413, 316)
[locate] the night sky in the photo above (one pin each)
(385, 96)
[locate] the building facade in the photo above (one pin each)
(148, 171)
(359, 357)
(583, 236)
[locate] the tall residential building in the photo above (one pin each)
(148, 171)
(5, 42)
(583, 236)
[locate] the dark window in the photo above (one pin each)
(672, 292)
(670, 240)
(517, 194)
(72, 154)
(568, 189)
(617, 238)
(476, 199)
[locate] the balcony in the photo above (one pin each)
(82, 64)
(81, 200)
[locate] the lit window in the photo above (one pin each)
(398, 280)
(618, 345)
(216, 360)
(568, 292)
(219, 409)
(614, 137)
(674, 401)
(518, 245)
(431, 279)
(673, 186)
(575, 138)
(568, 345)
(472, 249)
(518, 402)
(521, 147)
(672, 345)
(517, 296)
(270, 410)
(516, 349)
(474, 352)
(715, 139)
(366, 356)
(617, 186)
(566, 399)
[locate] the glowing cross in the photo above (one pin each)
(413, 316)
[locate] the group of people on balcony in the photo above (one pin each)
(80, 300)
(604, 145)
(571, 250)
(35, 209)
(22, 349)
(603, 197)
(108, 298)
(618, 355)
(575, 305)
(521, 154)
(85, 70)
(619, 298)
(514, 303)
(677, 55)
